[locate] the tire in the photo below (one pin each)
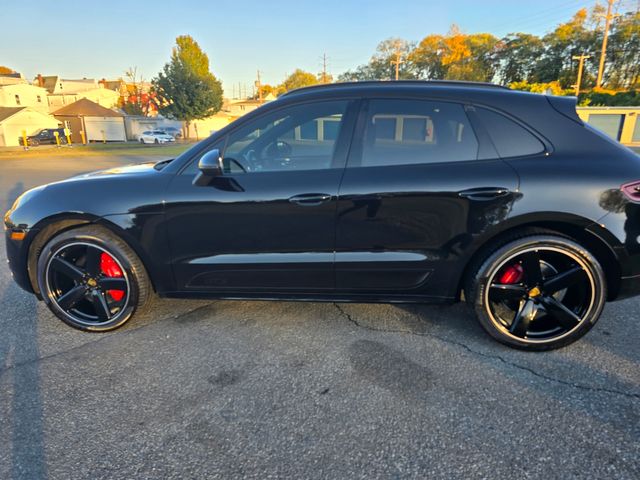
(142, 141)
(156, 141)
(34, 143)
(539, 307)
(73, 264)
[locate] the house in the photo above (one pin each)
(11, 79)
(63, 92)
(24, 95)
(98, 123)
(238, 108)
(15, 120)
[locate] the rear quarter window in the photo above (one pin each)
(509, 138)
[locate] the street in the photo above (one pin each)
(234, 389)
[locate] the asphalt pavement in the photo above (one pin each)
(231, 389)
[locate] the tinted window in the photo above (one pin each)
(509, 138)
(301, 137)
(402, 132)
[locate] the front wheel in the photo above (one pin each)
(91, 279)
(538, 292)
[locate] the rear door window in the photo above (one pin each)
(509, 138)
(403, 132)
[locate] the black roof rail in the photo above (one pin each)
(372, 83)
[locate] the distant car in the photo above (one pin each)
(173, 131)
(46, 136)
(155, 136)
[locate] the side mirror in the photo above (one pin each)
(210, 166)
(210, 163)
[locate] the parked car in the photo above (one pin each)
(155, 136)
(364, 192)
(174, 132)
(46, 136)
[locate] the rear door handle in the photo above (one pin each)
(310, 199)
(484, 193)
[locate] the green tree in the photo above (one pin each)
(574, 37)
(186, 89)
(298, 79)
(516, 56)
(381, 66)
(623, 52)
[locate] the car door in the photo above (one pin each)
(419, 186)
(268, 223)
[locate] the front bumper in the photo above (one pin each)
(17, 261)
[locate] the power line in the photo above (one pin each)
(541, 15)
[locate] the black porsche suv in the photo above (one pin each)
(364, 192)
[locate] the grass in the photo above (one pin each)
(101, 149)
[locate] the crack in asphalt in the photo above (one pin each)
(100, 339)
(530, 370)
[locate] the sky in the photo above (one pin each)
(76, 39)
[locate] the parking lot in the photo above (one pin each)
(232, 389)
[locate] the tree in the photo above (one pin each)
(298, 79)
(569, 39)
(623, 53)
(516, 56)
(133, 104)
(427, 58)
(381, 66)
(186, 89)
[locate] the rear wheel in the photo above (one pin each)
(538, 292)
(91, 279)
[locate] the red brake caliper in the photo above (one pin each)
(109, 267)
(512, 274)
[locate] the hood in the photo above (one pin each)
(133, 169)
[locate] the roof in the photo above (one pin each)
(6, 112)
(49, 82)
(86, 108)
(333, 87)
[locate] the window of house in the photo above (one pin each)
(17, 99)
(39, 99)
(400, 132)
(509, 138)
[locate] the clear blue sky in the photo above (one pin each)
(102, 39)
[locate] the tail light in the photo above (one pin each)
(632, 190)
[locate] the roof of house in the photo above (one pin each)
(86, 108)
(49, 82)
(6, 112)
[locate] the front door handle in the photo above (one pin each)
(484, 193)
(310, 199)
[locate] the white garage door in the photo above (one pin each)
(113, 128)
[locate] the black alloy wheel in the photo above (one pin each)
(539, 292)
(91, 279)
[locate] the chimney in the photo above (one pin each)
(40, 80)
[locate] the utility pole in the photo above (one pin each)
(607, 23)
(324, 68)
(581, 59)
(398, 60)
(259, 87)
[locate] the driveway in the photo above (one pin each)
(225, 389)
